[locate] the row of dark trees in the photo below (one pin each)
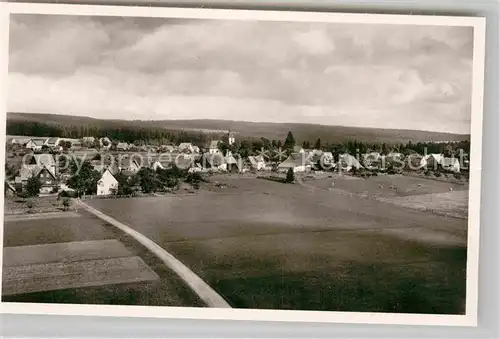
(126, 134)
(248, 147)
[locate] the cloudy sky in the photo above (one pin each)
(388, 76)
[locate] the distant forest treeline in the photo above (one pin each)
(128, 134)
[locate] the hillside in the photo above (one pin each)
(271, 131)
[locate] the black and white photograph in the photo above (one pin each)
(241, 164)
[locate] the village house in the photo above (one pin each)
(451, 164)
(9, 190)
(183, 161)
(88, 140)
(257, 163)
(106, 164)
(413, 161)
(328, 157)
(230, 138)
(213, 162)
(52, 142)
(128, 165)
(431, 161)
(157, 165)
(122, 146)
(48, 181)
(372, 160)
(394, 155)
(321, 160)
(105, 143)
(196, 168)
(47, 178)
(75, 143)
(35, 144)
(107, 185)
(186, 147)
(214, 147)
(299, 162)
(232, 164)
(167, 148)
(37, 161)
(298, 149)
(19, 141)
(348, 162)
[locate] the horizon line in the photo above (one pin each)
(245, 121)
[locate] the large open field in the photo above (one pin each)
(439, 197)
(263, 244)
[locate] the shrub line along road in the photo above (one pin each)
(200, 287)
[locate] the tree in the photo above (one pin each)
(385, 149)
(195, 179)
(65, 145)
(317, 145)
(84, 178)
(289, 141)
(66, 203)
(448, 151)
(96, 144)
(223, 147)
(306, 145)
(166, 178)
(33, 186)
(290, 176)
(147, 179)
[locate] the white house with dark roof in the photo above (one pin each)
(451, 164)
(214, 162)
(52, 142)
(88, 140)
(299, 162)
(186, 147)
(129, 165)
(431, 161)
(258, 162)
(214, 147)
(35, 144)
(19, 141)
(107, 185)
(122, 146)
(347, 162)
(38, 161)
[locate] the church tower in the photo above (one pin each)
(230, 138)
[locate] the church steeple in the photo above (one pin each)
(230, 137)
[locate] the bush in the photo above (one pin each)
(33, 186)
(67, 194)
(290, 176)
(30, 204)
(66, 204)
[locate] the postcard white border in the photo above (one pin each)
(469, 319)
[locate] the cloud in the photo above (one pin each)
(223, 69)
